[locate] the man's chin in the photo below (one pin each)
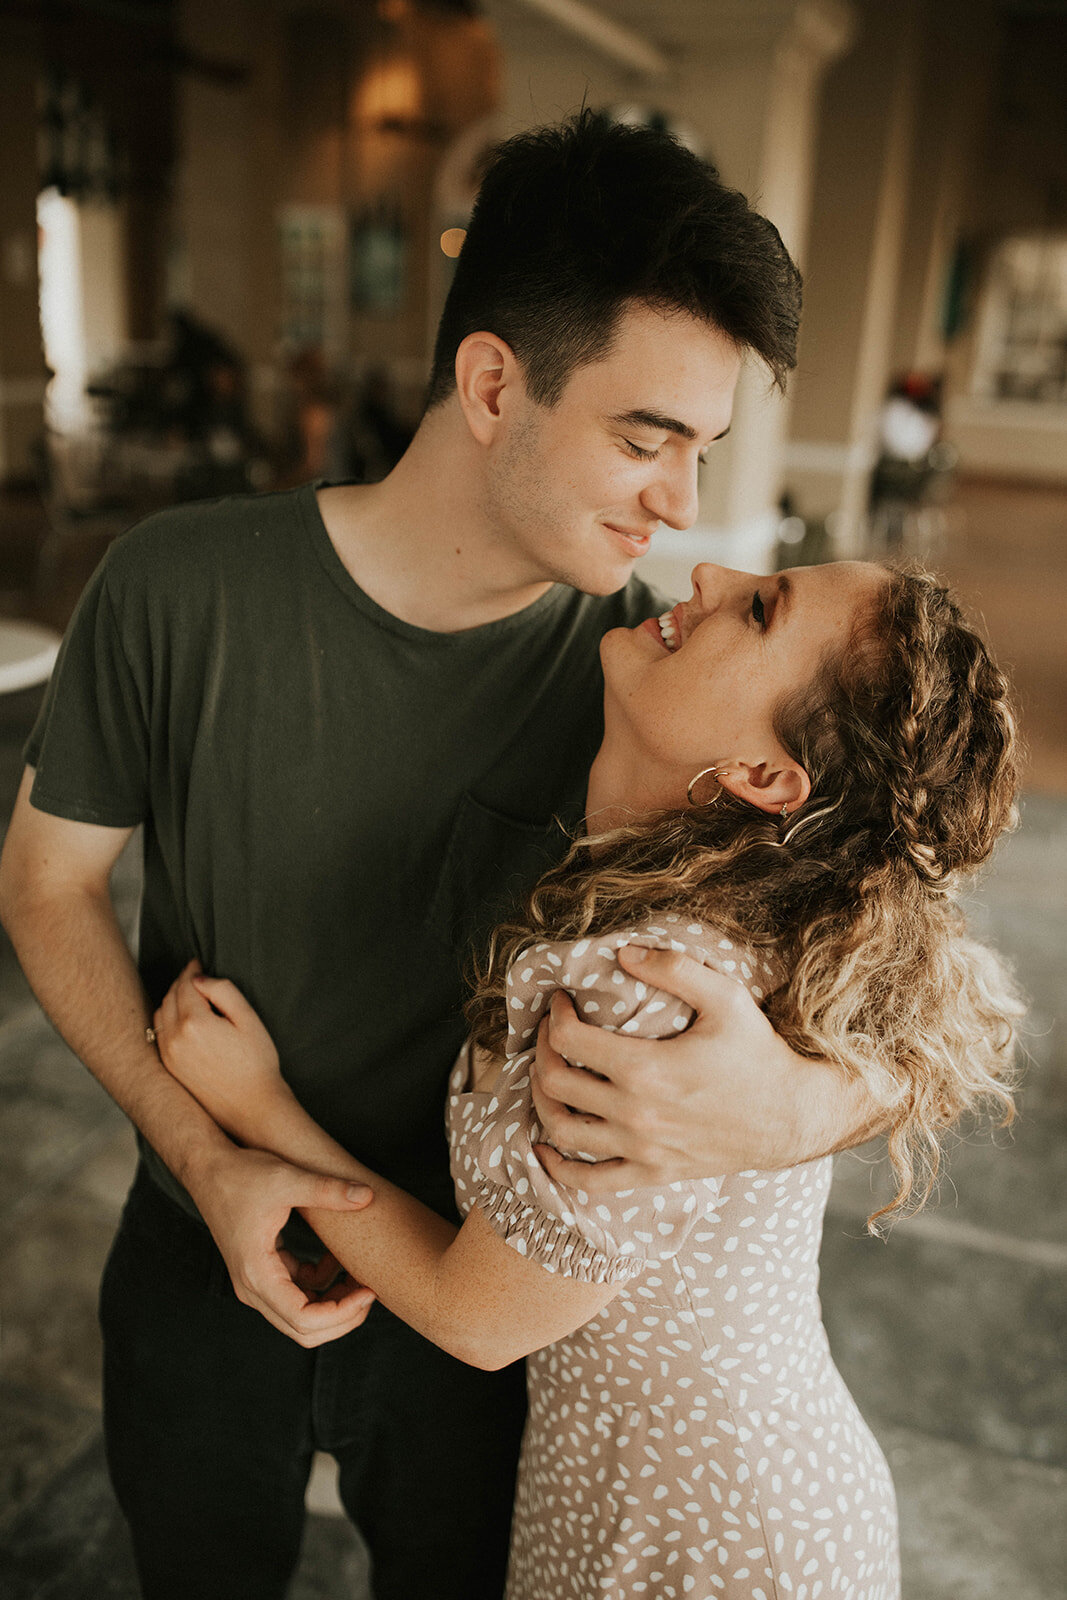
(606, 581)
(603, 576)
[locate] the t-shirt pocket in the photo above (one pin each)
(491, 863)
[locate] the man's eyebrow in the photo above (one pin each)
(656, 421)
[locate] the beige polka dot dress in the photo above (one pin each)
(695, 1439)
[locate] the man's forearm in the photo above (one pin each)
(80, 968)
(465, 1290)
(398, 1247)
(796, 1109)
(830, 1110)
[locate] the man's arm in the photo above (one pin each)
(465, 1289)
(728, 1095)
(56, 905)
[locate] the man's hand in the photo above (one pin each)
(57, 908)
(728, 1095)
(245, 1199)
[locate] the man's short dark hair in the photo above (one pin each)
(573, 223)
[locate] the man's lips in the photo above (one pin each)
(639, 537)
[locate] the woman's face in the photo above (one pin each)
(701, 686)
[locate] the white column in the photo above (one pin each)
(854, 266)
(744, 82)
(741, 496)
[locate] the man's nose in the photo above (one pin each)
(673, 497)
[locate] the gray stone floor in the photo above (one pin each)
(951, 1334)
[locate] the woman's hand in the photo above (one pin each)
(213, 1042)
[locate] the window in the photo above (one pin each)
(1022, 335)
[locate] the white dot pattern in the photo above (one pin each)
(695, 1439)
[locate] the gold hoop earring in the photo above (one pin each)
(712, 772)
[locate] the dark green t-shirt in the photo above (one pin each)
(336, 803)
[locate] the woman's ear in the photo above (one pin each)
(769, 785)
(485, 368)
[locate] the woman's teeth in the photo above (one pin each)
(669, 630)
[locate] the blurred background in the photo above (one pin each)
(226, 234)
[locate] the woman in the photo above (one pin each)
(795, 772)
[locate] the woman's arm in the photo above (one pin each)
(464, 1289)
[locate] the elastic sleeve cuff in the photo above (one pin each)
(551, 1243)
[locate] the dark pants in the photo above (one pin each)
(212, 1416)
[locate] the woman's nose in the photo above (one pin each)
(706, 580)
(710, 582)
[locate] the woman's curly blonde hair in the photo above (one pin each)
(909, 740)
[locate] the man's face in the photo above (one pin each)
(577, 490)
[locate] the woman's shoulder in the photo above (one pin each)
(603, 1238)
(588, 969)
(705, 941)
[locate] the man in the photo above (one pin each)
(348, 721)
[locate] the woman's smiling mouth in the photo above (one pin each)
(666, 630)
(670, 631)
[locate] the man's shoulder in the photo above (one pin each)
(202, 536)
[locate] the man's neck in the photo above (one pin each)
(420, 544)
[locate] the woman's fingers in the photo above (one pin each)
(179, 1021)
(225, 997)
(189, 1002)
(166, 1017)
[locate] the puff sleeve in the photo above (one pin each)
(602, 1239)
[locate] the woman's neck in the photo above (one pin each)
(620, 790)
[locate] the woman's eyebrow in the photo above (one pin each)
(785, 591)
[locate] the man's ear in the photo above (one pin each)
(768, 785)
(485, 369)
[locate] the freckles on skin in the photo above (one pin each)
(712, 700)
(716, 697)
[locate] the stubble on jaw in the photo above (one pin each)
(521, 501)
(531, 508)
